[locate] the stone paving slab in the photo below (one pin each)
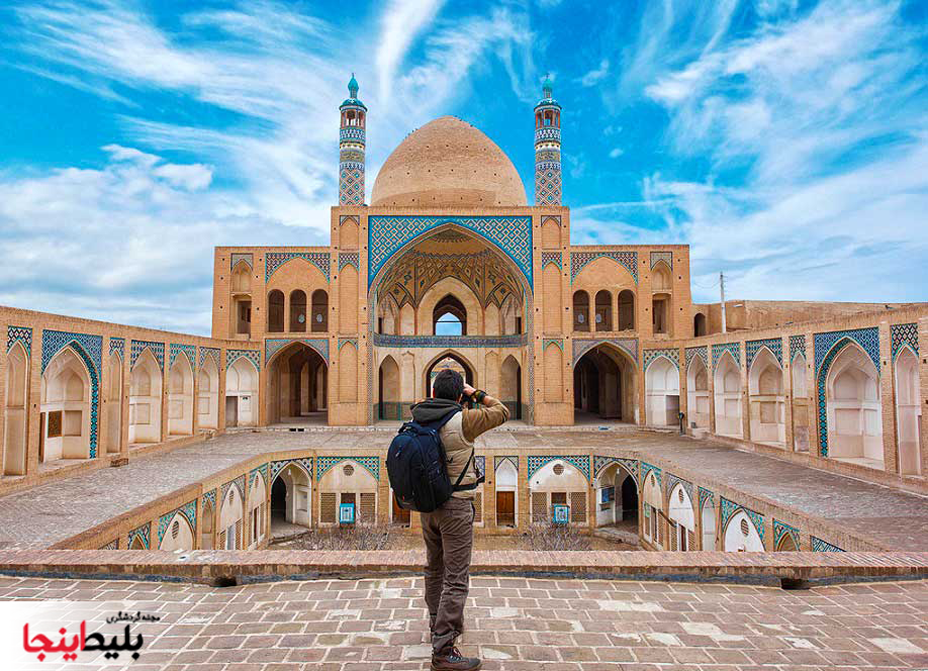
(52, 512)
(515, 624)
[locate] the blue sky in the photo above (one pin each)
(785, 141)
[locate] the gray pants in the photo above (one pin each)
(449, 539)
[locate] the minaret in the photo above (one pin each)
(547, 148)
(351, 147)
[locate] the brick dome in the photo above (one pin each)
(448, 163)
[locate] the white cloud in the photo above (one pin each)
(401, 23)
(593, 77)
(616, 152)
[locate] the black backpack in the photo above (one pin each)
(418, 469)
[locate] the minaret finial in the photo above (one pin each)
(352, 141)
(547, 147)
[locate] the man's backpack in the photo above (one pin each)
(418, 469)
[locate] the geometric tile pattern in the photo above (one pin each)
(633, 466)
(480, 463)
(490, 342)
(210, 498)
(719, 349)
(628, 345)
(190, 351)
(693, 352)
(325, 464)
(239, 483)
(211, 352)
(118, 345)
(628, 260)
(752, 347)
(548, 178)
(90, 349)
(188, 510)
(349, 259)
(274, 260)
(551, 257)
(306, 463)
(347, 341)
(246, 257)
(112, 545)
(797, 345)
(729, 508)
(705, 496)
(351, 178)
(867, 338)
(672, 354)
(672, 481)
(827, 347)
(498, 461)
(582, 463)
(273, 345)
(139, 346)
(143, 532)
(388, 234)
(904, 334)
(599, 463)
(255, 472)
(649, 468)
(781, 529)
(559, 342)
(15, 334)
(233, 355)
(818, 545)
(657, 257)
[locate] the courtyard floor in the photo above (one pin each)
(49, 513)
(514, 624)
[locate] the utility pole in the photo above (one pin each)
(722, 289)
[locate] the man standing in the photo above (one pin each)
(449, 530)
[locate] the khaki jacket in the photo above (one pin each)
(458, 435)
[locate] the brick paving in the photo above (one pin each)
(515, 624)
(57, 510)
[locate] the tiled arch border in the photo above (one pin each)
(90, 349)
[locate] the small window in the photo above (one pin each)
(175, 529)
(348, 470)
(558, 469)
(745, 530)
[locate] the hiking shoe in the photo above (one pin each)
(452, 660)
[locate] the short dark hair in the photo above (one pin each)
(448, 384)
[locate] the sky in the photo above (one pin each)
(785, 141)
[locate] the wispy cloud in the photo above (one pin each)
(593, 77)
(401, 23)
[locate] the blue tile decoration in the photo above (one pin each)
(600, 462)
(190, 351)
(579, 260)
(347, 341)
(734, 348)
(254, 472)
(867, 338)
(209, 352)
(210, 499)
(304, 463)
(827, 347)
(551, 217)
(729, 508)
(112, 545)
(902, 335)
(118, 345)
(139, 346)
(406, 341)
(21, 334)
(552, 341)
(693, 352)
(672, 481)
(480, 462)
(705, 496)
(349, 259)
(188, 510)
(657, 257)
(781, 529)
(253, 355)
(498, 461)
(753, 347)
(274, 260)
(581, 463)
(670, 353)
(818, 545)
(583, 345)
(325, 464)
(387, 235)
(90, 349)
(273, 345)
(650, 468)
(143, 533)
(239, 483)
(551, 257)
(241, 256)
(797, 345)
(633, 466)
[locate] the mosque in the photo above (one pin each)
(450, 266)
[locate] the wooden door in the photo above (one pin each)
(506, 509)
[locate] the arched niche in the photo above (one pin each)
(319, 315)
(767, 400)
(145, 400)
(908, 412)
(257, 510)
(208, 395)
(741, 535)
(275, 311)
(291, 499)
(298, 314)
(510, 386)
(178, 535)
(700, 327)
(296, 386)
(449, 317)
(231, 512)
(662, 392)
(66, 389)
(388, 389)
(602, 317)
(15, 416)
(348, 482)
(626, 303)
(653, 510)
(727, 385)
(697, 393)
(616, 497)
(114, 403)
(507, 494)
(207, 526)
(558, 483)
(450, 296)
(853, 410)
(708, 514)
(241, 393)
(448, 359)
(682, 517)
(180, 397)
(581, 309)
(605, 385)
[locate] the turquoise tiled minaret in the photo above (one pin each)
(547, 148)
(351, 143)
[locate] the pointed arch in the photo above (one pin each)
(682, 516)
(388, 389)
(66, 405)
(741, 534)
(605, 385)
(849, 382)
(510, 387)
(145, 400)
(180, 396)
(178, 535)
(208, 394)
(727, 387)
(114, 403)
(697, 393)
(291, 497)
(206, 525)
(662, 392)
(908, 411)
(241, 393)
(767, 399)
(257, 509)
(16, 402)
(470, 371)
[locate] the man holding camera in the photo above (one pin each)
(449, 530)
